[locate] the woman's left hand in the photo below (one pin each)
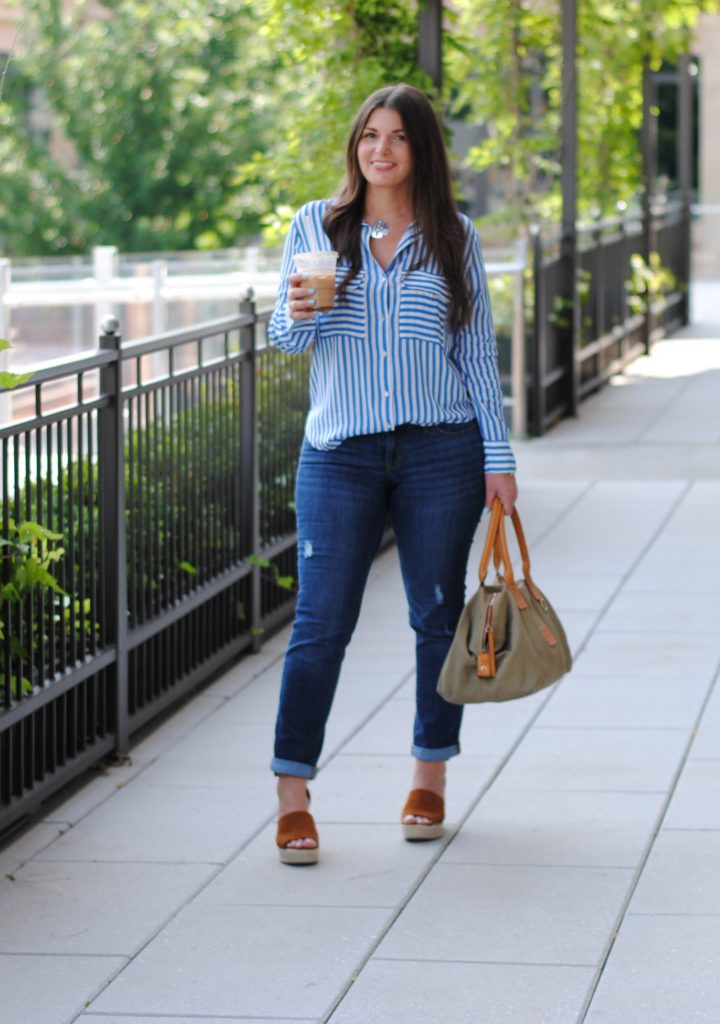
(502, 486)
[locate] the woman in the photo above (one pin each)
(406, 417)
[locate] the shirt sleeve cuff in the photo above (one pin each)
(499, 457)
(291, 335)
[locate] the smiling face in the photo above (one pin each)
(383, 150)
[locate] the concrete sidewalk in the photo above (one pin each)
(578, 878)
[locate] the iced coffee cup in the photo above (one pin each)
(320, 270)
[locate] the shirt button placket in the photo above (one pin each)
(387, 326)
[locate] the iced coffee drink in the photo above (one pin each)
(319, 267)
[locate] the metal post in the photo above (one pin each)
(104, 259)
(5, 398)
(539, 337)
(685, 143)
(430, 40)
(568, 240)
(648, 142)
(159, 308)
(111, 466)
(517, 357)
(249, 463)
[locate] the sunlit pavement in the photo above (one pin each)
(577, 880)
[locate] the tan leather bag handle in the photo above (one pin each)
(496, 545)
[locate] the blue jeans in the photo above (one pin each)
(431, 480)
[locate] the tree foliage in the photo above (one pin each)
(506, 63)
(195, 124)
(161, 103)
(329, 58)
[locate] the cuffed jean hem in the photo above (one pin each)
(296, 768)
(439, 754)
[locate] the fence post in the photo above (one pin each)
(621, 208)
(430, 33)
(249, 463)
(5, 399)
(159, 308)
(569, 334)
(685, 168)
(536, 388)
(104, 272)
(517, 350)
(111, 463)
(648, 139)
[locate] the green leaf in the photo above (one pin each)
(263, 563)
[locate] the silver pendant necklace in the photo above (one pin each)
(379, 228)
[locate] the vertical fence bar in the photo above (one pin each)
(648, 143)
(112, 502)
(430, 40)
(536, 424)
(685, 151)
(249, 461)
(568, 240)
(105, 260)
(5, 397)
(517, 359)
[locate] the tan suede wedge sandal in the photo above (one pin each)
(297, 825)
(423, 803)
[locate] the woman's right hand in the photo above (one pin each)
(301, 299)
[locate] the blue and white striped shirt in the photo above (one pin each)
(385, 355)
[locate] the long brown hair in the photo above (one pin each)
(434, 207)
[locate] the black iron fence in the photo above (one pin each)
(632, 281)
(164, 495)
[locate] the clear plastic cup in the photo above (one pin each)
(320, 270)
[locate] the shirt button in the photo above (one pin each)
(385, 353)
(387, 394)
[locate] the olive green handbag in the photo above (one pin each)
(509, 641)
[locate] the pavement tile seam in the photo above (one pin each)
(672, 828)
(670, 914)
(642, 863)
(127, 860)
(67, 956)
(337, 750)
(521, 865)
(683, 386)
(630, 569)
(618, 728)
(505, 963)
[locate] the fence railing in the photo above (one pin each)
(170, 470)
(567, 361)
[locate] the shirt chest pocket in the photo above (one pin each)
(424, 306)
(349, 315)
